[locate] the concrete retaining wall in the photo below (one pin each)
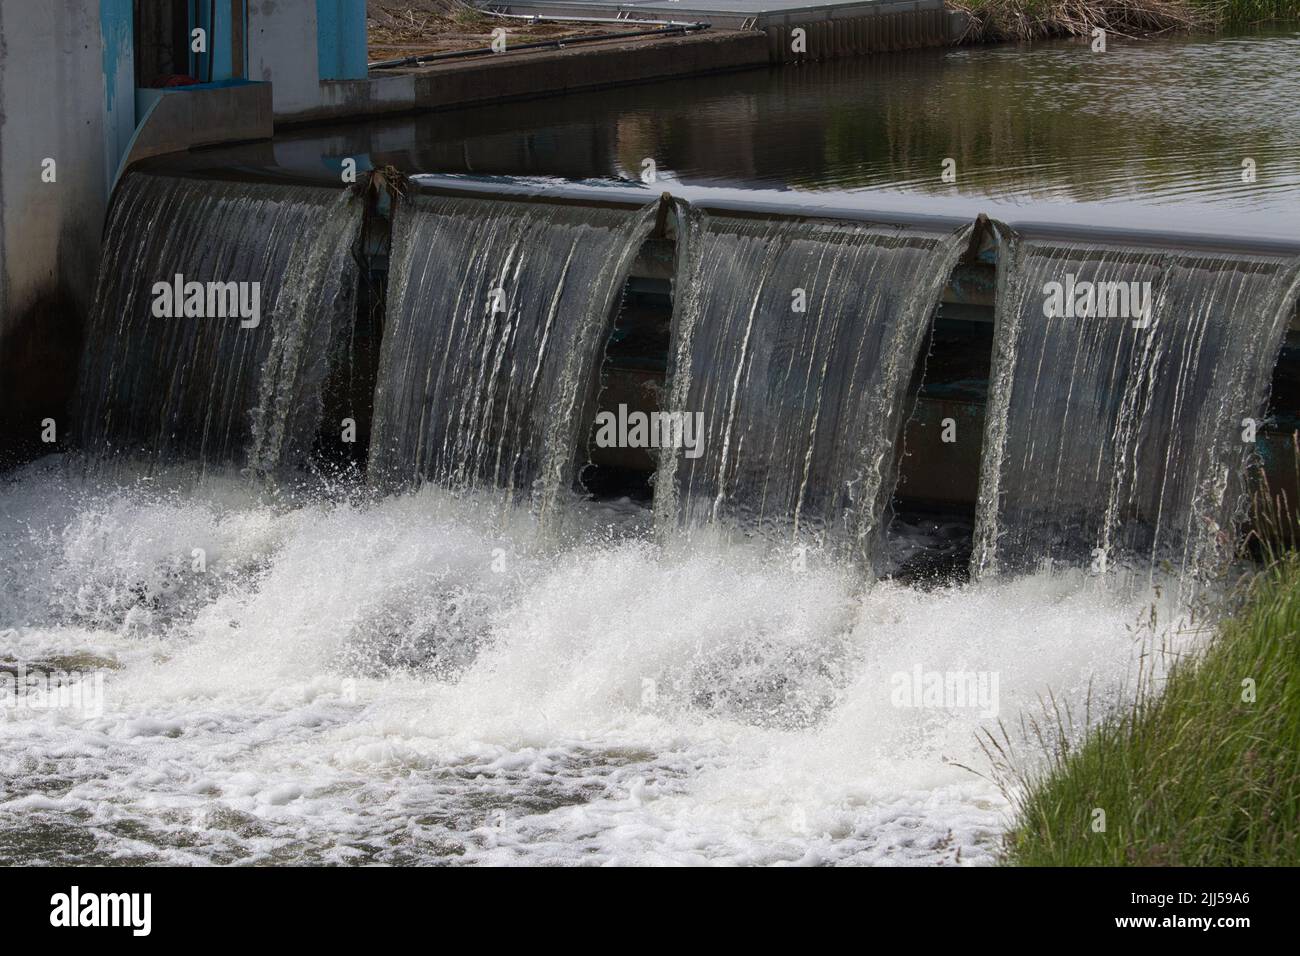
(883, 31)
(53, 105)
(828, 33)
(507, 77)
(176, 120)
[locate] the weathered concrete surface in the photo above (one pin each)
(296, 44)
(52, 106)
(596, 66)
(523, 75)
(183, 118)
(935, 473)
(283, 50)
(886, 28)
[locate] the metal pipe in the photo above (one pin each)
(547, 18)
(538, 45)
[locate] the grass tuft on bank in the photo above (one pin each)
(1206, 773)
(1245, 12)
(993, 20)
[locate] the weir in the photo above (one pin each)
(797, 340)
(710, 446)
(496, 316)
(213, 389)
(839, 368)
(1124, 438)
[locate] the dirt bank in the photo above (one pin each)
(399, 28)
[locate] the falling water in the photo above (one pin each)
(210, 389)
(493, 335)
(797, 340)
(1119, 440)
(348, 678)
(354, 684)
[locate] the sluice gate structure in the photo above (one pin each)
(843, 363)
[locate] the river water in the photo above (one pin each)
(312, 671)
(423, 678)
(1146, 128)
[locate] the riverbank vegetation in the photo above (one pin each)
(992, 20)
(1204, 773)
(399, 28)
(408, 27)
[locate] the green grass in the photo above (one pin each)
(1240, 12)
(1041, 19)
(1197, 775)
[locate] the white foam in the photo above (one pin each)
(423, 676)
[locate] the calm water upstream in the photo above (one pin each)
(1160, 124)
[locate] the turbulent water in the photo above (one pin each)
(431, 678)
(218, 389)
(1123, 439)
(497, 316)
(431, 668)
(796, 342)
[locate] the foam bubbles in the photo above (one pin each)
(428, 677)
